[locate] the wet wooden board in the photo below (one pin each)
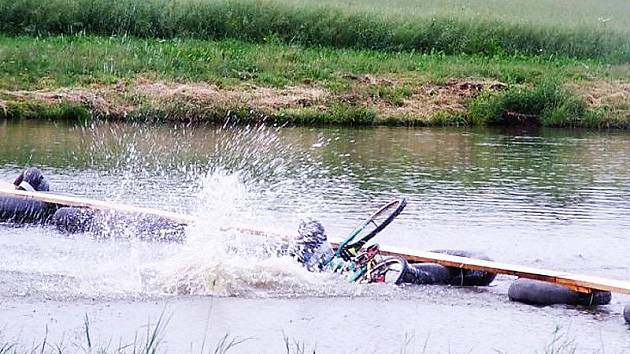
(65, 200)
(578, 282)
(582, 283)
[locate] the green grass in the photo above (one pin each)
(79, 60)
(609, 14)
(94, 62)
(547, 101)
(548, 104)
(148, 343)
(538, 48)
(337, 114)
(63, 111)
(444, 29)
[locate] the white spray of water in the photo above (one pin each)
(251, 177)
(254, 177)
(246, 186)
(219, 260)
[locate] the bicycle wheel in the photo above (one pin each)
(390, 270)
(371, 227)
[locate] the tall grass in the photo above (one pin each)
(547, 104)
(259, 21)
(560, 343)
(64, 61)
(149, 343)
(544, 103)
(612, 14)
(536, 88)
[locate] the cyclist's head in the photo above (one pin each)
(311, 248)
(312, 231)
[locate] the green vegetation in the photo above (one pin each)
(362, 87)
(547, 102)
(449, 62)
(36, 110)
(31, 63)
(151, 342)
(259, 21)
(609, 14)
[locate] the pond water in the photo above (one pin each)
(557, 199)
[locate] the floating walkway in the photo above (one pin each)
(577, 282)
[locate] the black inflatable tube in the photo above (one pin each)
(426, 274)
(34, 178)
(536, 292)
(73, 220)
(468, 277)
(398, 276)
(431, 273)
(23, 211)
(113, 224)
(626, 313)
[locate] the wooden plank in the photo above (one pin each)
(66, 200)
(577, 282)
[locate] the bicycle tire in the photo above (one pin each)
(384, 268)
(397, 206)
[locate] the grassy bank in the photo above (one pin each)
(31, 63)
(333, 25)
(77, 77)
(435, 62)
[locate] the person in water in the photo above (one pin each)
(31, 180)
(311, 247)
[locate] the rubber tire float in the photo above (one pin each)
(432, 273)
(77, 220)
(536, 292)
(22, 211)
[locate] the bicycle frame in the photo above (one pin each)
(349, 259)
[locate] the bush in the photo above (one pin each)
(547, 103)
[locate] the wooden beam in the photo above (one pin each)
(65, 200)
(582, 283)
(578, 282)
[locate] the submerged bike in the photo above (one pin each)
(365, 264)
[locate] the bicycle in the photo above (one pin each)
(367, 265)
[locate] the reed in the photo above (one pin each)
(314, 25)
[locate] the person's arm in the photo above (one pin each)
(18, 180)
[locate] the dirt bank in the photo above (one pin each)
(367, 100)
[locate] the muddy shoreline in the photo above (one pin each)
(454, 102)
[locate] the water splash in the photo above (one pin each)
(219, 260)
(247, 172)
(228, 177)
